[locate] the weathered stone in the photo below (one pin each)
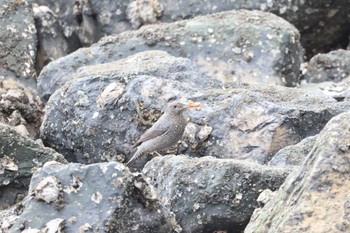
(332, 66)
(293, 155)
(101, 113)
(209, 194)
(52, 43)
(20, 108)
(323, 24)
(18, 41)
(315, 197)
(19, 158)
(243, 46)
(99, 198)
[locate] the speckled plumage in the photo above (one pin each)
(166, 132)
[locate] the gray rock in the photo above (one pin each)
(101, 113)
(52, 43)
(20, 108)
(97, 198)
(19, 157)
(332, 66)
(293, 155)
(315, 197)
(243, 46)
(208, 194)
(323, 24)
(18, 41)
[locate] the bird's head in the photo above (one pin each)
(176, 108)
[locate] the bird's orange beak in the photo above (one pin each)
(196, 105)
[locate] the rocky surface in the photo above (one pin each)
(209, 194)
(323, 24)
(19, 158)
(315, 197)
(101, 113)
(243, 46)
(20, 108)
(94, 198)
(18, 41)
(293, 155)
(50, 35)
(332, 66)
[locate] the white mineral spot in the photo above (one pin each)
(95, 115)
(47, 190)
(210, 30)
(96, 197)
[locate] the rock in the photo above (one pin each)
(101, 113)
(293, 155)
(242, 46)
(339, 91)
(332, 66)
(323, 24)
(18, 41)
(208, 194)
(20, 108)
(19, 158)
(98, 198)
(52, 43)
(315, 197)
(313, 18)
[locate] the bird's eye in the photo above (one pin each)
(175, 106)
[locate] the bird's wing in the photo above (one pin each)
(151, 133)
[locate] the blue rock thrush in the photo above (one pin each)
(166, 132)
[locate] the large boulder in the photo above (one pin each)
(243, 46)
(315, 197)
(19, 158)
(99, 115)
(98, 198)
(209, 194)
(323, 24)
(18, 41)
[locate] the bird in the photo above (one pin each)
(164, 133)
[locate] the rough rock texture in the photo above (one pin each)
(244, 46)
(95, 198)
(101, 113)
(20, 108)
(339, 91)
(19, 157)
(293, 155)
(208, 194)
(52, 43)
(18, 41)
(315, 197)
(332, 66)
(323, 24)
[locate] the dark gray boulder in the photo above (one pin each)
(101, 113)
(332, 66)
(103, 197)
(323, 24)
(243, 46)
(209, 194)
(52, 43)
(18, 41)
(314, 197)
(293, 155)
(19, 158)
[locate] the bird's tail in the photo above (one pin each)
(135, 157)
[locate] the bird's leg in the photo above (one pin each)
(157, 154)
